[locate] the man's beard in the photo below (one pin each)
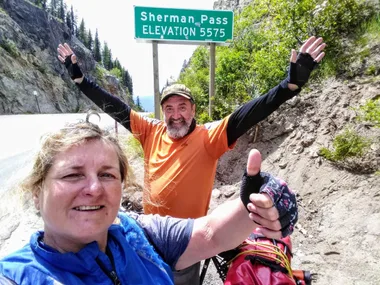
(178, 132)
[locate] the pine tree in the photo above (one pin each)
(82, 32)
(90, 41)
(41, 3)
(61, 10)
(128, 82)
(110, 62)
(53, 9)
(69, 23)
(116, 64)
(106, 56)
(97, 48)
(44, 4)
(138, 104)
(73, 19)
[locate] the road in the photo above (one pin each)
(20, 135)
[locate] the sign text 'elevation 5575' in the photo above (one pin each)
(170, 24)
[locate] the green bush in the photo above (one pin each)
(133, 147)
(264, 34)
(116, 72)
(99, 73)
(348, 144)
(10, 47)
(370, 112)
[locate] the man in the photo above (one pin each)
(181, 156)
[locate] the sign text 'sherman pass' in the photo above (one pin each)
(167, 24)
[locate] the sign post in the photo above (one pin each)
(156, 82)
(183, 26)
(212, 80)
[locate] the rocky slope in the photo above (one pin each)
(28, 63)
(338, 233)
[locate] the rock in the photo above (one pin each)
(283, 165)
(216, 193)
(313, 154)
(229, 193)
(308, 140)
(298, 150)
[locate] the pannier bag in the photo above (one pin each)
(262, 261)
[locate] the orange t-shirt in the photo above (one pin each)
(179, 174)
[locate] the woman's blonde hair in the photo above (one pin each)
(59, 141)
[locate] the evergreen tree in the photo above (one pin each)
(116, 64)
(41, 3)
(82, 36)
(73, 19)
(184, 66)
(138, 104)
(128, 82)
(68, 22)
(53, 9)
(110, 63)
(106, 56)
(97, 48)
(90, 41)
(61, 10)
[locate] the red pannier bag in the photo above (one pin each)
(262, 261)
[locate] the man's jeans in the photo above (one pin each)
(188, 276)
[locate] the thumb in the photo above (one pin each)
(254, 162)
(73, 58)
(293, 56)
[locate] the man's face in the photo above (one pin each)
(178, 115)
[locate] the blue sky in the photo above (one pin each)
(114, 20)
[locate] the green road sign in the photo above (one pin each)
(168, 24)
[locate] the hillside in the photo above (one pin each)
(338, 233)
(29, 38)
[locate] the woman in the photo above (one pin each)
(76, 184)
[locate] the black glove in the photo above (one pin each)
(73, 68)
(299, 72)
(283, 198)
(249, 185)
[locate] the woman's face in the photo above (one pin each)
(81, 196)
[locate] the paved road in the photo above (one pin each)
(20, 136)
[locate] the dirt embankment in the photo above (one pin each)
(338, 233)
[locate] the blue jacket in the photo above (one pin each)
(134, 261)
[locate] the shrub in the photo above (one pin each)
(133, 147)
(10, 47)
(348, 144)
(264, 33)
(117, 73)
(370, 112)
(99, 73)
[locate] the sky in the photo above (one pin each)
(114, 20)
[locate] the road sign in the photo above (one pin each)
(186, 25)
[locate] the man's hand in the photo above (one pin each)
(69, 59)
(301, 66)
(272, 205)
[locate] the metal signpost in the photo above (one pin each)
(183, 26)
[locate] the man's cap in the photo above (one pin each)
(176, 89)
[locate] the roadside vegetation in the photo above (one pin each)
(257, 60)
(264, 33)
